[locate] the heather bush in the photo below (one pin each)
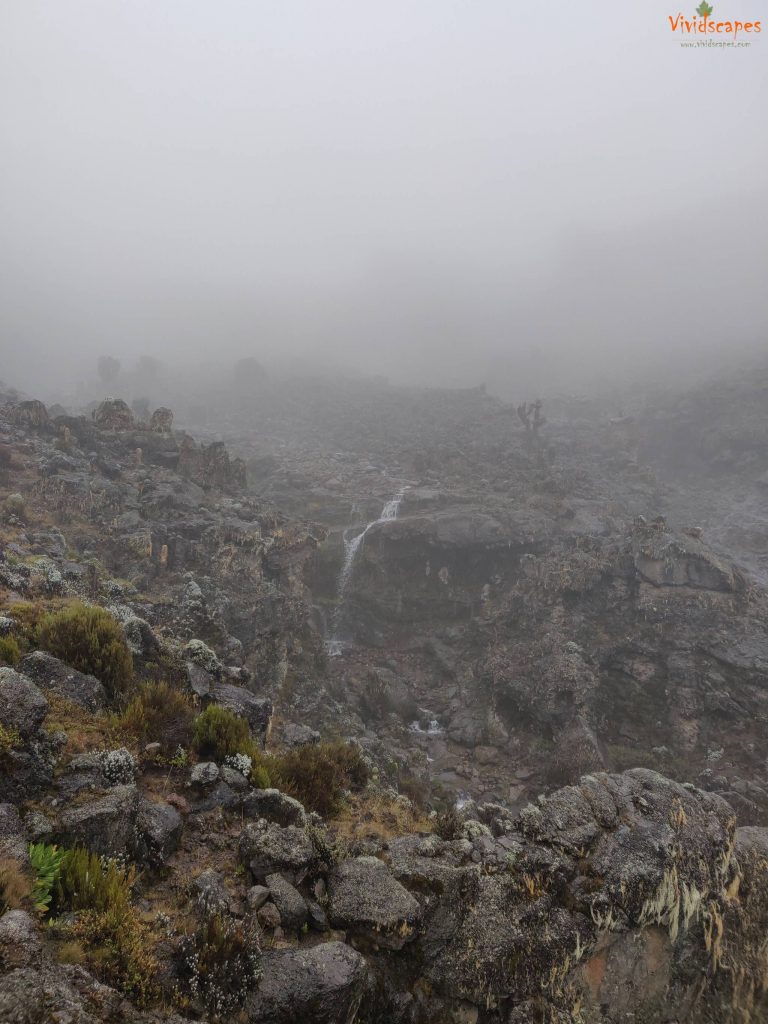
(218, 733)
(220, 963)
(90, 640)
(159, 713)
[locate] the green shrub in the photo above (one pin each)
(220, 963)
(86, 882)
(10, 652)
(119, 950)
(318, 774)
(46, 863)
(10, 739)
(90, 640)
(13, 507)
(117, 945)
(159, 713)
(260, 777)
(217, 733)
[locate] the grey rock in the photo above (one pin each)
(22, 705)
(206, 773)
(275, 806)
(159, 829)
(267, 849)
(20, 944)
(106, 825)
(366, 899)
(51, 674)
(256, 897)
(289, 901)
(322, 985)
(210, 892)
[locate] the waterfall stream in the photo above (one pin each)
(334, 645)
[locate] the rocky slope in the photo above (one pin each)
(527, 624)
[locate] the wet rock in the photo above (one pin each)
(269, 849)
(289, 902)
(113, 414)
(22, 706)
(106, 825)
(161, 421)
(51, 674)
(30, 414)
(256, 897)
(159, 829)
(274, 806)
(322, 985)
(364, 898)
(210, 892)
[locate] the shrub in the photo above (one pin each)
(159, 713)
(117, 944)
(15, 886)
(90, 640)
(46, 863)
(13, 507)
(449, 824)
(10, 652)
(218, 733)
(118, 766)
(318, 775)
(220, 963)
(86, 882)
(260, 777)
(10, 739)
(118, 949)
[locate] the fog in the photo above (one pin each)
(443, 192)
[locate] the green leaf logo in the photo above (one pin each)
(704, 9)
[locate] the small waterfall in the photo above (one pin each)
(334, 645)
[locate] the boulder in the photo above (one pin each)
(322, 985)
(22, 706)
(30, 414)
(161, 421)
(365, 899)
(113, 414)
(267, 849)
(51, 674)
(106, 825)
(159, 829)
(210, 892)
(275, 806)
(289, 901)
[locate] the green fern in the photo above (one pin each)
(46, 863)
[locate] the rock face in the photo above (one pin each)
(323, 985)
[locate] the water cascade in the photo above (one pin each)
(334, 645)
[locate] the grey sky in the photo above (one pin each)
(401, 187)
